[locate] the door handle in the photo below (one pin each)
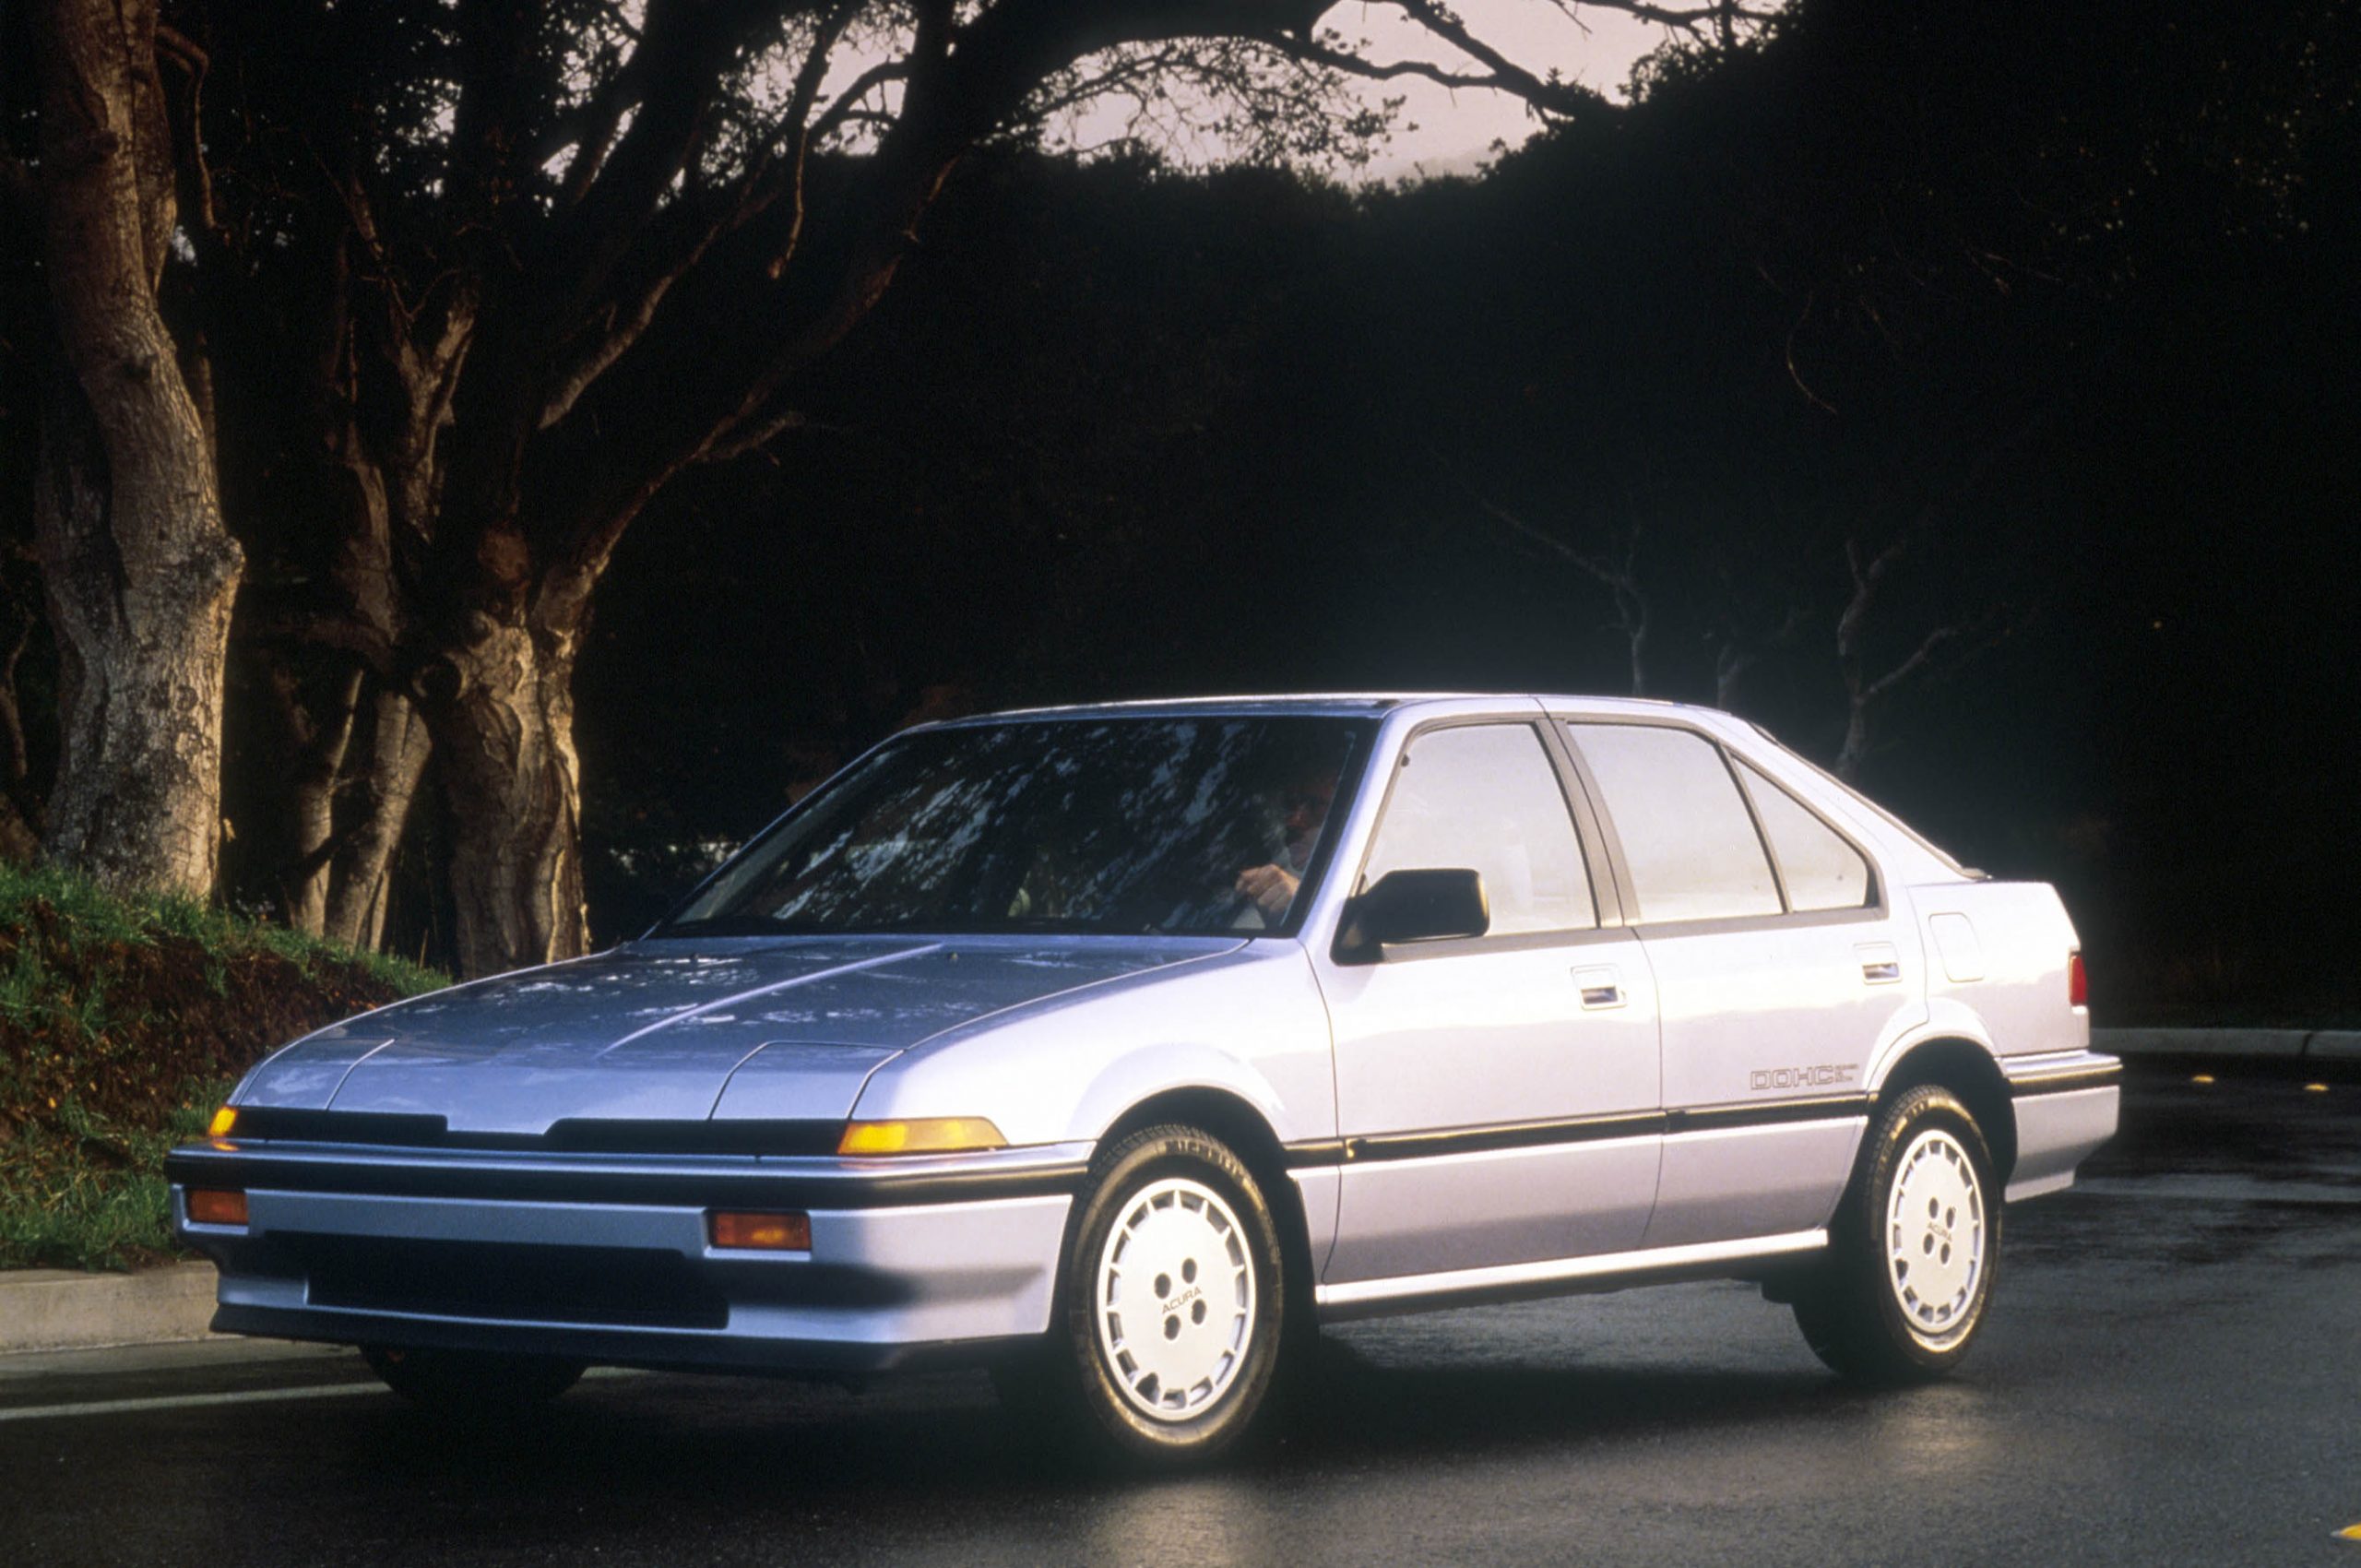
(1881, 964)
(1601, 988)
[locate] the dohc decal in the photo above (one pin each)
(1821, 1077)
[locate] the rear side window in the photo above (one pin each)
(1692, 847)
(1484, 797)
(1822, 872)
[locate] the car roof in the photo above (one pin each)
(1338, 704)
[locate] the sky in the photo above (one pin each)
(1442, 131)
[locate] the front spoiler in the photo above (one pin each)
(654, 1351)
(607, 1259)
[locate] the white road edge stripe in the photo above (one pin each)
(236, 1396)
(190, 1401)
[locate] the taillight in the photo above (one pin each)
(2078, 984)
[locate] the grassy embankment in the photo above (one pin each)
(123, 1023)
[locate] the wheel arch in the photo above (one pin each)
(1239, 1124)
(1968, 1071)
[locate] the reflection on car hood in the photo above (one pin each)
(654, 1031)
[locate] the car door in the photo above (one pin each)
(1497, 1096)
(1780, 966)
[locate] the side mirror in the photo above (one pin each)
(1413, 906)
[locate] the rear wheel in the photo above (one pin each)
(1171, 1305)
(1913, 1248)
(470, 1383)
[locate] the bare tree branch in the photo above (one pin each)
(606, 338)
(775, 169)
(601, 118)
(1884, 685)
(799, 135)
(953, 96)
(1565, 102)
(1794, 373)
(685, 46)
(494, 51)
(847, 107)
(1685, 18)
(1734, 656)
(1553, 97)
(1634, 609)
(753, 437)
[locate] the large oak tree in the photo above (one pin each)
(476, 281)
(138, 569)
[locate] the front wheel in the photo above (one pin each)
(1172, 1301)
(1913, 1248)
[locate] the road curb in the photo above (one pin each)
(2336, 1045)
(54, 1309)
(2223, 1042)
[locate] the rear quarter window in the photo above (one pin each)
(1822, 872)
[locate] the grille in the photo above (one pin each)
(617, 1285)
(575, 1134)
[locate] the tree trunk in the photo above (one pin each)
(1636, 627)
(1856, 750)
(504, 732)
(364, 864)
(138, 570)
(311, 741)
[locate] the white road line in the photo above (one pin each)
(189, 1401)
(239, 1397)
(2228, 1187)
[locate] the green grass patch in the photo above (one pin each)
(79, 1191)
(123, 1023)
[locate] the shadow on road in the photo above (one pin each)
(937, 1435)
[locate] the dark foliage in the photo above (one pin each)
(2066, 314)
(2049, 308)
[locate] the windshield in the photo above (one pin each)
(1113, 825)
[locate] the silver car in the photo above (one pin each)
(1118, 1047)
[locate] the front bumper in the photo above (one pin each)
(606, 1258)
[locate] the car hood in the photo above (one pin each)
(654, 1031)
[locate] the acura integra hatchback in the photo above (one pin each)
(1116, 1048)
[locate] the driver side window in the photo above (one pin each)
(1484, 797)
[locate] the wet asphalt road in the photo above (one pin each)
(2171, 1374)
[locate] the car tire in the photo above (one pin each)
(1171, 1304)
(1913, 1249)
(470, 1383)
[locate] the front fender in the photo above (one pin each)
(1142, 1074)
(1250, 1024)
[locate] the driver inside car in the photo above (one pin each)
(1303, 810)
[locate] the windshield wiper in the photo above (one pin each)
(734, 925)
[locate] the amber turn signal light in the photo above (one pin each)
(933, 1135)
(761, 1232)
(208, 1206)
(223, 1120)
